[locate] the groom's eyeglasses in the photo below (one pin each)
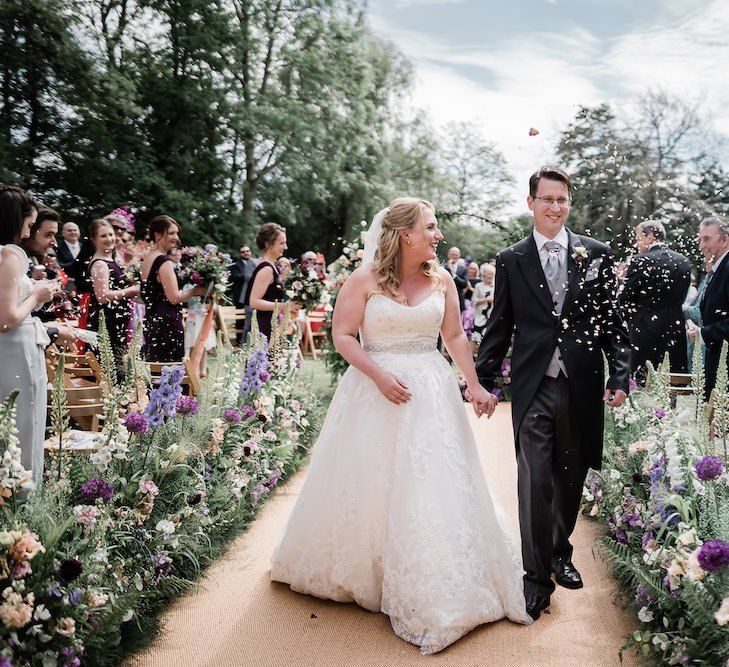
(549, 201)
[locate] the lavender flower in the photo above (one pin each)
(136, 423)
(709, 468)
(232, 416)
(187, 406)
(714, 555)
(660, 413)
(96, 488)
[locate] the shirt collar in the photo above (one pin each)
(562, 238)
(718, 262)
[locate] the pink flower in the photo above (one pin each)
(148, 486)
(86, 514)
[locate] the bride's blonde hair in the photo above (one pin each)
(403, 213)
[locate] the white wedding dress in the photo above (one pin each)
(395, 514)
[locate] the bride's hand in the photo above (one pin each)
(393, 388)
(483, 401)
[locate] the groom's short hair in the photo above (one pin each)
(550, 173)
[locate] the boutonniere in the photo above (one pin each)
(579, 254)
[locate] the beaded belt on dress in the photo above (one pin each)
(411, 347)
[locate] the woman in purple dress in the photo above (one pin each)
(110, 291)
(164, 338)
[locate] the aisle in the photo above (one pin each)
(237, 617)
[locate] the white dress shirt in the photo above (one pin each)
(75, 248)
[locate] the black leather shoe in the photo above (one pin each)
(535, 603)
(566, 574)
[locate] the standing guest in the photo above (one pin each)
(692, 313)
(651, 300)
(240, 275)
(714, 245)
(70, 245)
(264, 288)
(164, 336)
(483, 301)
(320, 265)
(128, 249)
(22, 337)
(459, 273)
(42, 237)
(110, 292)
(308, 260)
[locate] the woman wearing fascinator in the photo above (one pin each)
(395, 514)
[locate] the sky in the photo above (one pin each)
(510, 65)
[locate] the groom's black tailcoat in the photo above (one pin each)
(590, 324)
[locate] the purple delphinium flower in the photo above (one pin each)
(187, 406)
(163, 398)
(74, 597)
(256, 366)
(498, 393)
(70, 569)
(660, 413)
(257, 491)
(618, 533)
(136, 423)
(709, 468)
(97, 487)
(643, 597)
(232, 416)
(714, 555)
(275, 477)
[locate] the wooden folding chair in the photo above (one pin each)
(228, 318)
(85, 406)
(681, 384)
(314, 336)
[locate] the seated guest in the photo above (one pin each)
(714, 245)
(651, 299)
(110, 292)
(164, 337)
(70, 245)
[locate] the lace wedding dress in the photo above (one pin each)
(395, 514)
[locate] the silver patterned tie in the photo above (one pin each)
(552, 267)
(555, 274)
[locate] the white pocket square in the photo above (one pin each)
(593, 271)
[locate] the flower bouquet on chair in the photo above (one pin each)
(206, 267)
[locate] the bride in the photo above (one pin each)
(395, 514)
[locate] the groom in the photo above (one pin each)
(556, 294)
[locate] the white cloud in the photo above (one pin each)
(542, 80)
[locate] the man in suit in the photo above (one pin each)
(459, 271)
(70, 246)
(556, 294)
(651, 300)
(240, 274)
(714, 245)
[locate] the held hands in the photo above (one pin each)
(393, 388)
(483, 401)
(614, 397)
